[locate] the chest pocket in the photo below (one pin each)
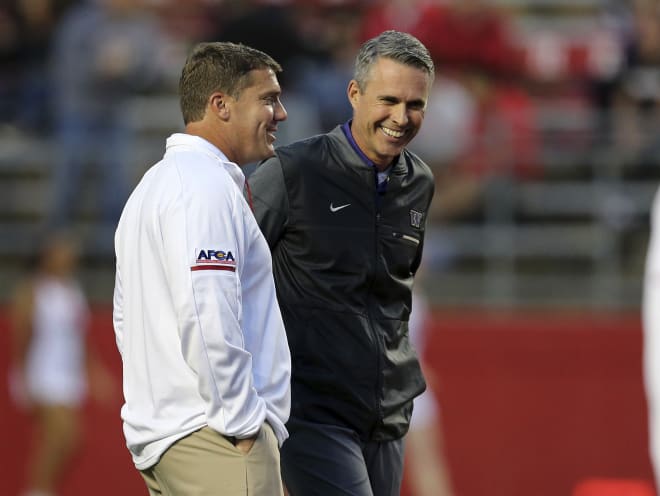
(399, 248)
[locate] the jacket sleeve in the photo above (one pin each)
(270, 200)
(651, 319)
(265, 337)
(203, 240)
(118, 310)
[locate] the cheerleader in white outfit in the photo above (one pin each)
(50, 318)
(429, 474)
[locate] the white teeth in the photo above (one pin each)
(392, 133)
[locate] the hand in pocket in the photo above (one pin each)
(245, 445)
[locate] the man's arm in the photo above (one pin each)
(203, 246)
(651, 318)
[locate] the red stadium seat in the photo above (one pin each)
(613, 487)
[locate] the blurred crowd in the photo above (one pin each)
(509, 97)
(504, 97)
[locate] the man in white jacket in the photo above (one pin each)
(651, 321)
(206, 364)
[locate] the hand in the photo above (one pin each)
(245, 445)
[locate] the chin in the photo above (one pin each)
(393, 152)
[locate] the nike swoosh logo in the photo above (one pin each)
(334, 209)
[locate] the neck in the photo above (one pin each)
(213, 136)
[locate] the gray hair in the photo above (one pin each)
(218, 66)
(395, 45)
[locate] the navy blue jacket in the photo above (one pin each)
(344, 256)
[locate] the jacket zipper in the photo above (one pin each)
(378, 196)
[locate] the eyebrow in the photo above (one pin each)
(415, 103)
(272, 89)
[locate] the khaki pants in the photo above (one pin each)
(205, 463)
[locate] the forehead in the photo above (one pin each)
(388, 77)
(262, 81)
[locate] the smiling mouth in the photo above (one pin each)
(392, 133)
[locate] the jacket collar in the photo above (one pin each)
(201, 145)
(344, 130)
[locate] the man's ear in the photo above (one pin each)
(353, 92)
(218, 105)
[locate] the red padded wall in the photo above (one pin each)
(532, 403)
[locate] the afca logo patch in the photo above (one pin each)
(214, 260)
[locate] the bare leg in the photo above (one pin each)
(428, 467)
(57, 440)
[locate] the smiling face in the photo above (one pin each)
(254, 116)
(389, 111)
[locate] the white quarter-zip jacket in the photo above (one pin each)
(195, 313)
(651, 320)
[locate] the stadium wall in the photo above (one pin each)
(531, 402)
